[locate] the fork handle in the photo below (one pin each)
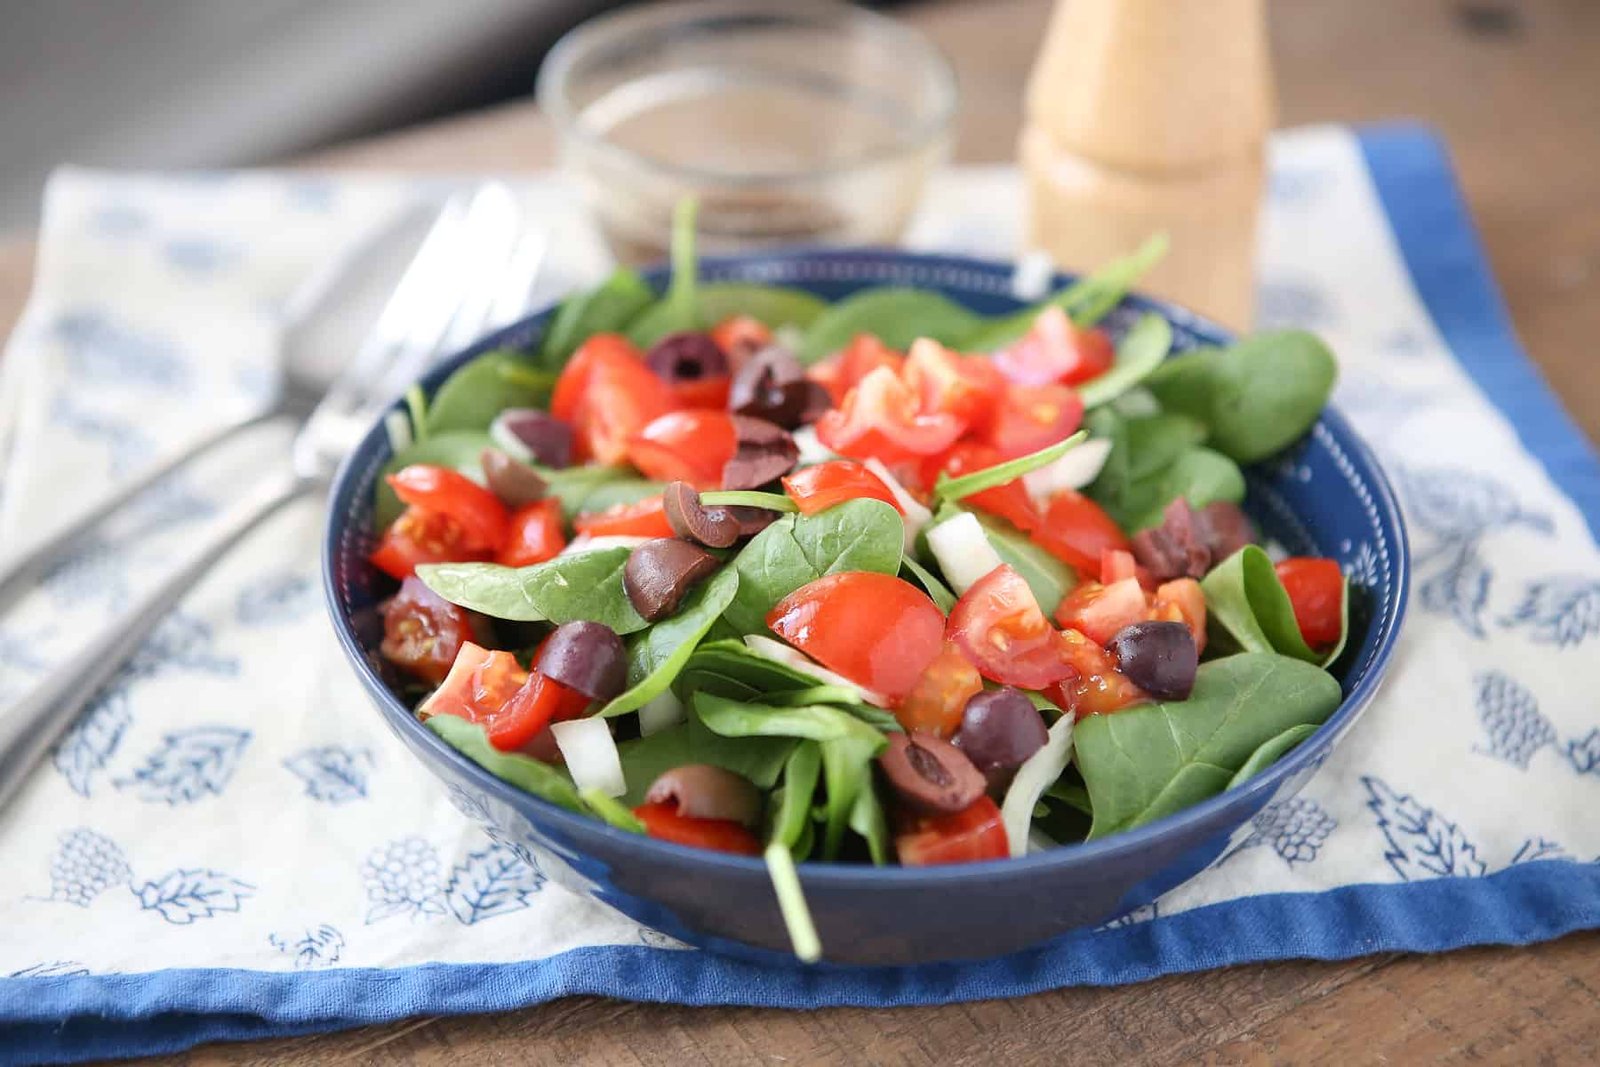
(35, 722)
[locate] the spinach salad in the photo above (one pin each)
(881, 581)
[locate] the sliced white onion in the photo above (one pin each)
(591, 754)
(397, 424)
(963, 551)
(1037, 773)
(916, 516)
(790, 336)
(660, 713)
(812, 451)
(1031, 280)
(508, 442)
(778, 652)
(1073, 469)
(585, 543)
(1275, 550)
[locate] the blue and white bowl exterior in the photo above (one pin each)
(1325, 496)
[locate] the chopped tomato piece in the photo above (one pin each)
(936, 702)
(998, 624)
(567, 400)
(1055, 350)
(478, 685)
(881, 417)
(709, 392)
(875, 629)
(608, 395)
(423, 632)
(947, 382)
(740, 337)
(974, 833)
(477, 513)
(1116, 564)
(421, 536)
(1010, 501)
(820, 487)
(720, 835)
(686, 446)
(1028, 418)
(535, 534)
(1077, 531)
(1095, 686)
(863, 355)
(646, 518)
(829, 373)
(1184, 597)
(529, 711)
(1100, 611)
(1316, 592)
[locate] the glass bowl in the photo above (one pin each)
(808, 123)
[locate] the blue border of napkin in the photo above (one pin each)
(69, 1019)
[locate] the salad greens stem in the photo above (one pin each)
(417, 405)
(748, 498)
(949, 488)
(792, 902)
(685, 264)
(611, 810)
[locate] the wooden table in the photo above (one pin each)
(1516, 91)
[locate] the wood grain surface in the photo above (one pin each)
(1515, 88)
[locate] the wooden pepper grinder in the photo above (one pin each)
(1147, 115)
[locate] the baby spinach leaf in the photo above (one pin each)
(1070, 793)
(644, 759)
(936, 589)
(1271, 752)
(608, 809)
(1255, 397)
(1155, 441)
(846, 775)
(607, 308)
(790, 810)
(1139, 353)
(731, 662)
(896, 316)
(1087, 300)
(772, 305)
(584, 586)
(1047, 576)
(541, 779)
(1148, 761)
(1199, 475)
(948, 488)
(1248, 608)
(458, 450)
(595, 488)
(417, 408)
(813, 694)
(657, 655)
(810, 722)
(857, 535)
(867, 820)
(749, 499)
(478, 391)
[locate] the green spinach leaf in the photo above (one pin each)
(1248, 608)
(772, 305)
(607, 308)
(657, 655)
(459, 450)
(1271, 752)
(1199, 475)
(937, 591)
(541, 779)
(644, 759)
(1139, 353)
(790, 811)
(1149, 761)
(867, 820)
(478, 391)
(895, 316)
(857, 535)
(582, 586)
(593, 488)
(719, 665)
(1048, 577)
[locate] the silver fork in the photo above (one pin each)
(473, 249)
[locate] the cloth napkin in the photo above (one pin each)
(230, 844)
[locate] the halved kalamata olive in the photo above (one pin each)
(713, 527)
(686, 357)
(1000, 728)
(765, 452)
(514, 482)
(1158, 657)
(660, 571)
(931, 774)
(752, 520)
(1226, 527)
(545, 439)
(586, 656)
(772, 385)
(702, 791)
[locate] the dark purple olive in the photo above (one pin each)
(1227, 529)
(1158, 657)
(661, 571)
(546, 438)
(765, 452)
(752, 520)
(1000, 728)
(702, 791)
(686, 357)
(772, 385)
(514, 482)
(713, 527)
(586, 656)
(931, 774)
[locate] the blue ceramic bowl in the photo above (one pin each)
(1325, 496)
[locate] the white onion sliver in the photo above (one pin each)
(397, 424)
(585, 543)
(508, 442)
(812, 451)
(591, 754)
(1031, 280)
(963, 551)
(915, 515)
(1073, 469)
(1037, 773)
(660, 713)
(778, 652)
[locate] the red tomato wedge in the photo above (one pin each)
(567, 401)
(478, 685)
(1100, 611)
(819, 488)
(1028, 418)
(881, 417)
(936, 702)
(1095, 686)
(477, 513)
(423, 632)
(998, 624)
(1078, 532)
(1316, 592)
(530, 710)
(646, 518)
(421, 536)
(608, 395)
(874, 629)
(975, 833)
(720, 835)
(534, 535)
(863, 355)
(1182, 600)
(1010, 501)
(1115, 565)
(1055, 350)
(740, 337)
(686, 446)
(709, 392)
(950, 383)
